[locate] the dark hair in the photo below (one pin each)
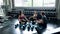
(20, 13)
(43, 13)
(39, 16)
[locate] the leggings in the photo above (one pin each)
(22, 26)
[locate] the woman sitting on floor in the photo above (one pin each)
(22, 19)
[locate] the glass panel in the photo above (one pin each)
(49, 3)
(1, 10)
(34, 3)
(37, 3)
(1, 2)
(23, 3)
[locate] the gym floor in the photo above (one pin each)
(10, 28)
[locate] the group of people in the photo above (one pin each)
(38, 19)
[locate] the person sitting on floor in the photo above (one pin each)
(40, 24)
(33, 20)
(22, 19)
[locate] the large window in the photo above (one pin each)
(1, 10)
(37, 3)
(1, 2)
(34, 3)
(49, 3)
(23, 3)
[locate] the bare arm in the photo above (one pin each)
(19, 18)
(40, 21)
(31, 17)
(26, 19)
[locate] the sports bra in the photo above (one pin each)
(22, 17)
